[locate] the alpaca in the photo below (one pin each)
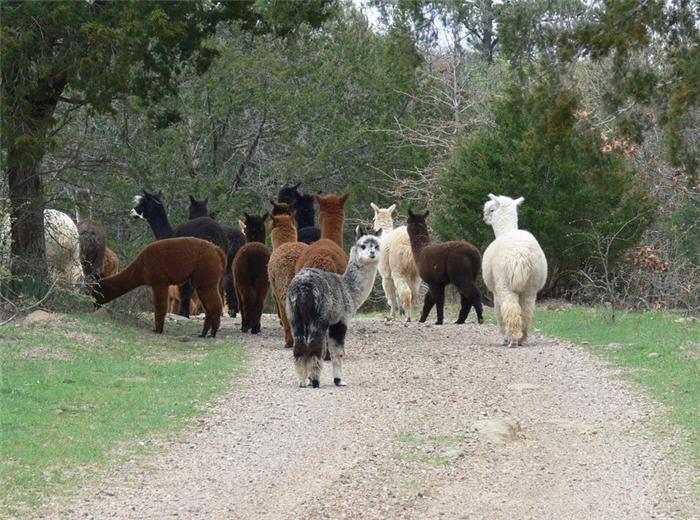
(110, 263)
(282, 266)
(282, 208)
(93, 243)
(250, 273)
(236, 239)
(328, 253)
(197, 260)
(321, 305)
(400, 279)
(515, 269)
(304, 207)
(62, 248)
(149, 207)
(456, 262)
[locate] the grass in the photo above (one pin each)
(77, 390)
(662, 350)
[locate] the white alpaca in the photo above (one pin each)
(62, 248)
(514, 269)
(400, 279)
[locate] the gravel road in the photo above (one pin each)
(436, 422)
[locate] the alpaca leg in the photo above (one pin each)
(185, 297)
(405, 296)
(438, 292)
(288, 337)
(390, 293)
(427, 306)
(527, 304)
(336, 345)
(300, 349)
(512, 317)
(160, 305)
(245, 326)
(231, 299)
(212, 303)
(478, 307)
(465, 307)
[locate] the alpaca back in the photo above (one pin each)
(316, 293)
(93, 243)
(323, 254)
(436, 260)
(516, 260)
(397, 257)
(62, 247)
(250, 264)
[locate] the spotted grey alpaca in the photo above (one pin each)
(321, 304)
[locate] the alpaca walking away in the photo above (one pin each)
(93, 244)
(282, 266)
(250, 273)
(236, 239)
(457, 262)
(321, 305)
(62, 248)
(400, 279)
(170, 262)
(515, 269)
(327, 253)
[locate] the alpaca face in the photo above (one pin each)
(367, 250)
(416, 221)
(198, 208)
(383, 216)
(146, 205)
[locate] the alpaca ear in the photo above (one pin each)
(297, 185)
(374, 207)
(241, 224)
(192, 201)
(378, 232)
(410, 213)
(427, 212)
(245, 214)
(392, 208)
(359, 232)
(493, 197)
(273, 202)
(519, 201)
(344, 197)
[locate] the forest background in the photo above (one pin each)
(589, 110)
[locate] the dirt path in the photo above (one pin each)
(416, 434)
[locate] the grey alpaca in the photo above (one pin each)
(321, 304)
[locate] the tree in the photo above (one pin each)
(89, 54)
(576, 185)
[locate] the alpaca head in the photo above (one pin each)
(382, 217)
(147, 205)
(366, 250)
(281, 208)
(198, 208)
(288, 194)
(304, 203)
(501, 212)
(416, 222)
(331, 207)
(254, 227)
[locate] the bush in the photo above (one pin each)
(577, 187)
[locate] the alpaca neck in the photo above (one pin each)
(504, 224)
(161, 225)
(332, 229)
(419, 239)
(305, 218)
(121, 283)
(283, 236)
(386, 226)
(254, 235)
(359, 280)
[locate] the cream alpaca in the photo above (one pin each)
(400, 279)
(514, 269)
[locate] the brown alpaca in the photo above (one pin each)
(282, 266)
(110, 263)
(282, 208)
(168, 262)
(327, 254)
(456, 262)
(250, 273)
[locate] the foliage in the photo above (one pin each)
(73, 390)
(575, 189)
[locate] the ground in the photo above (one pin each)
(436, 422)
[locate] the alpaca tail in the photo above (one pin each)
(519, 270)
(512, 316)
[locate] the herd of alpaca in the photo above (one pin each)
(316, 286)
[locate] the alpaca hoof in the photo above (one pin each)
(245, 328)
(304, 383)
(408, 319)
(459, 322)
(315, 383)
(422, 320)
(339, 382)
(438, 323)
(231, 314)
(255, 330)
(480, 320)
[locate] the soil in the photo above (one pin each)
(436, 422)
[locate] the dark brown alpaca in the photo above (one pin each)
(456, 262)
(93, 242)
(250, 273)
(172, 261)
(328, 253)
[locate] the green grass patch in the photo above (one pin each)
(74, 389)
(662, 350)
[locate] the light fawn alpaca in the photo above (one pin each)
(321, 305)
(400, 279)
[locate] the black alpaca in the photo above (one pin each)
(236, 239)
(149, 206)
(303, 204)
(456, 262)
